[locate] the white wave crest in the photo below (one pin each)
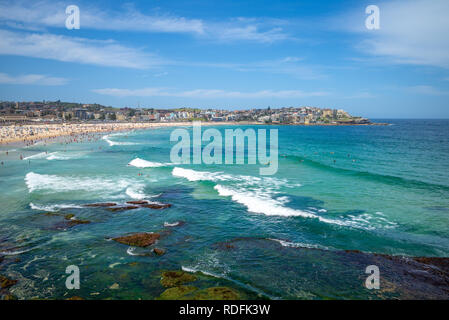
(55, 207)
(140, 163)
(41, 155)
(116, 143)
(174, 224)
(262, 202)
(290, 244)
(54, 183)
(65, 155)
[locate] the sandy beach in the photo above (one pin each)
(30, 134)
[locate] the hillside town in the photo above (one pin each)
(66, 112)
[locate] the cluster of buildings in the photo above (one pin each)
(73, 112)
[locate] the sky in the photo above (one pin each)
(230, 55)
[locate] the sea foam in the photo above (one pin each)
(141, 163)
(55, 183)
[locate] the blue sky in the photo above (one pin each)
(230, 54)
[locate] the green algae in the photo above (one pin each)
(176, 278)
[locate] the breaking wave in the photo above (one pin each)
(116, 143)
(55, 207)
(140, 163)
(262, 195)
(55, 183)
(56, 156)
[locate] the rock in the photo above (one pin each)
(441, 263)
(73, 223)
(115, 286)
(9, 297)
(51, 214)
(138, 239)
(133, 264)
(217, 293)
(177, 293)
(176, 278)
(156, 206)
(115, 209)
(106, 204)
(138, 202)
(69, 216)
(159, 252)
(75, 298)
(6, 282)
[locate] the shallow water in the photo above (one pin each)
(381, 189)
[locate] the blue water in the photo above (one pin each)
(378, 189)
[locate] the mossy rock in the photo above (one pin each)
(73, 223)
(69, 216)
(75, 298)
(176, 278)
(6, 282)
(138, 239)
(217, 293)
(159, 252)
(177, 293)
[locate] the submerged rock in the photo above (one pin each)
(75, 298)
(217, 293)
(138, 202)
(156, 206)
(6, 282)
(76, 222)
(138, 239)
(69, 216)
(177, 293)
(115, 286)
(106, 204)
(124, 208)
(176, 278)
(159, 252)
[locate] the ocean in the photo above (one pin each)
(343, 198)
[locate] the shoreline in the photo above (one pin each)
(25, 135)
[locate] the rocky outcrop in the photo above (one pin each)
(137, 202)
(176, 278)
(217, 293)
(101, 205)
(156, 206)
(6, 282)
(123, 208)
(75, 298)
(177, 293)
(138, 239)
(159, 252)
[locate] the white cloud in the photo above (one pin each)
(37, 79)
(52, 14)
(411, 32)
(70, 49)
(46, 14)
(206, 93)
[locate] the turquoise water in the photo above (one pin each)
(379, 189)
